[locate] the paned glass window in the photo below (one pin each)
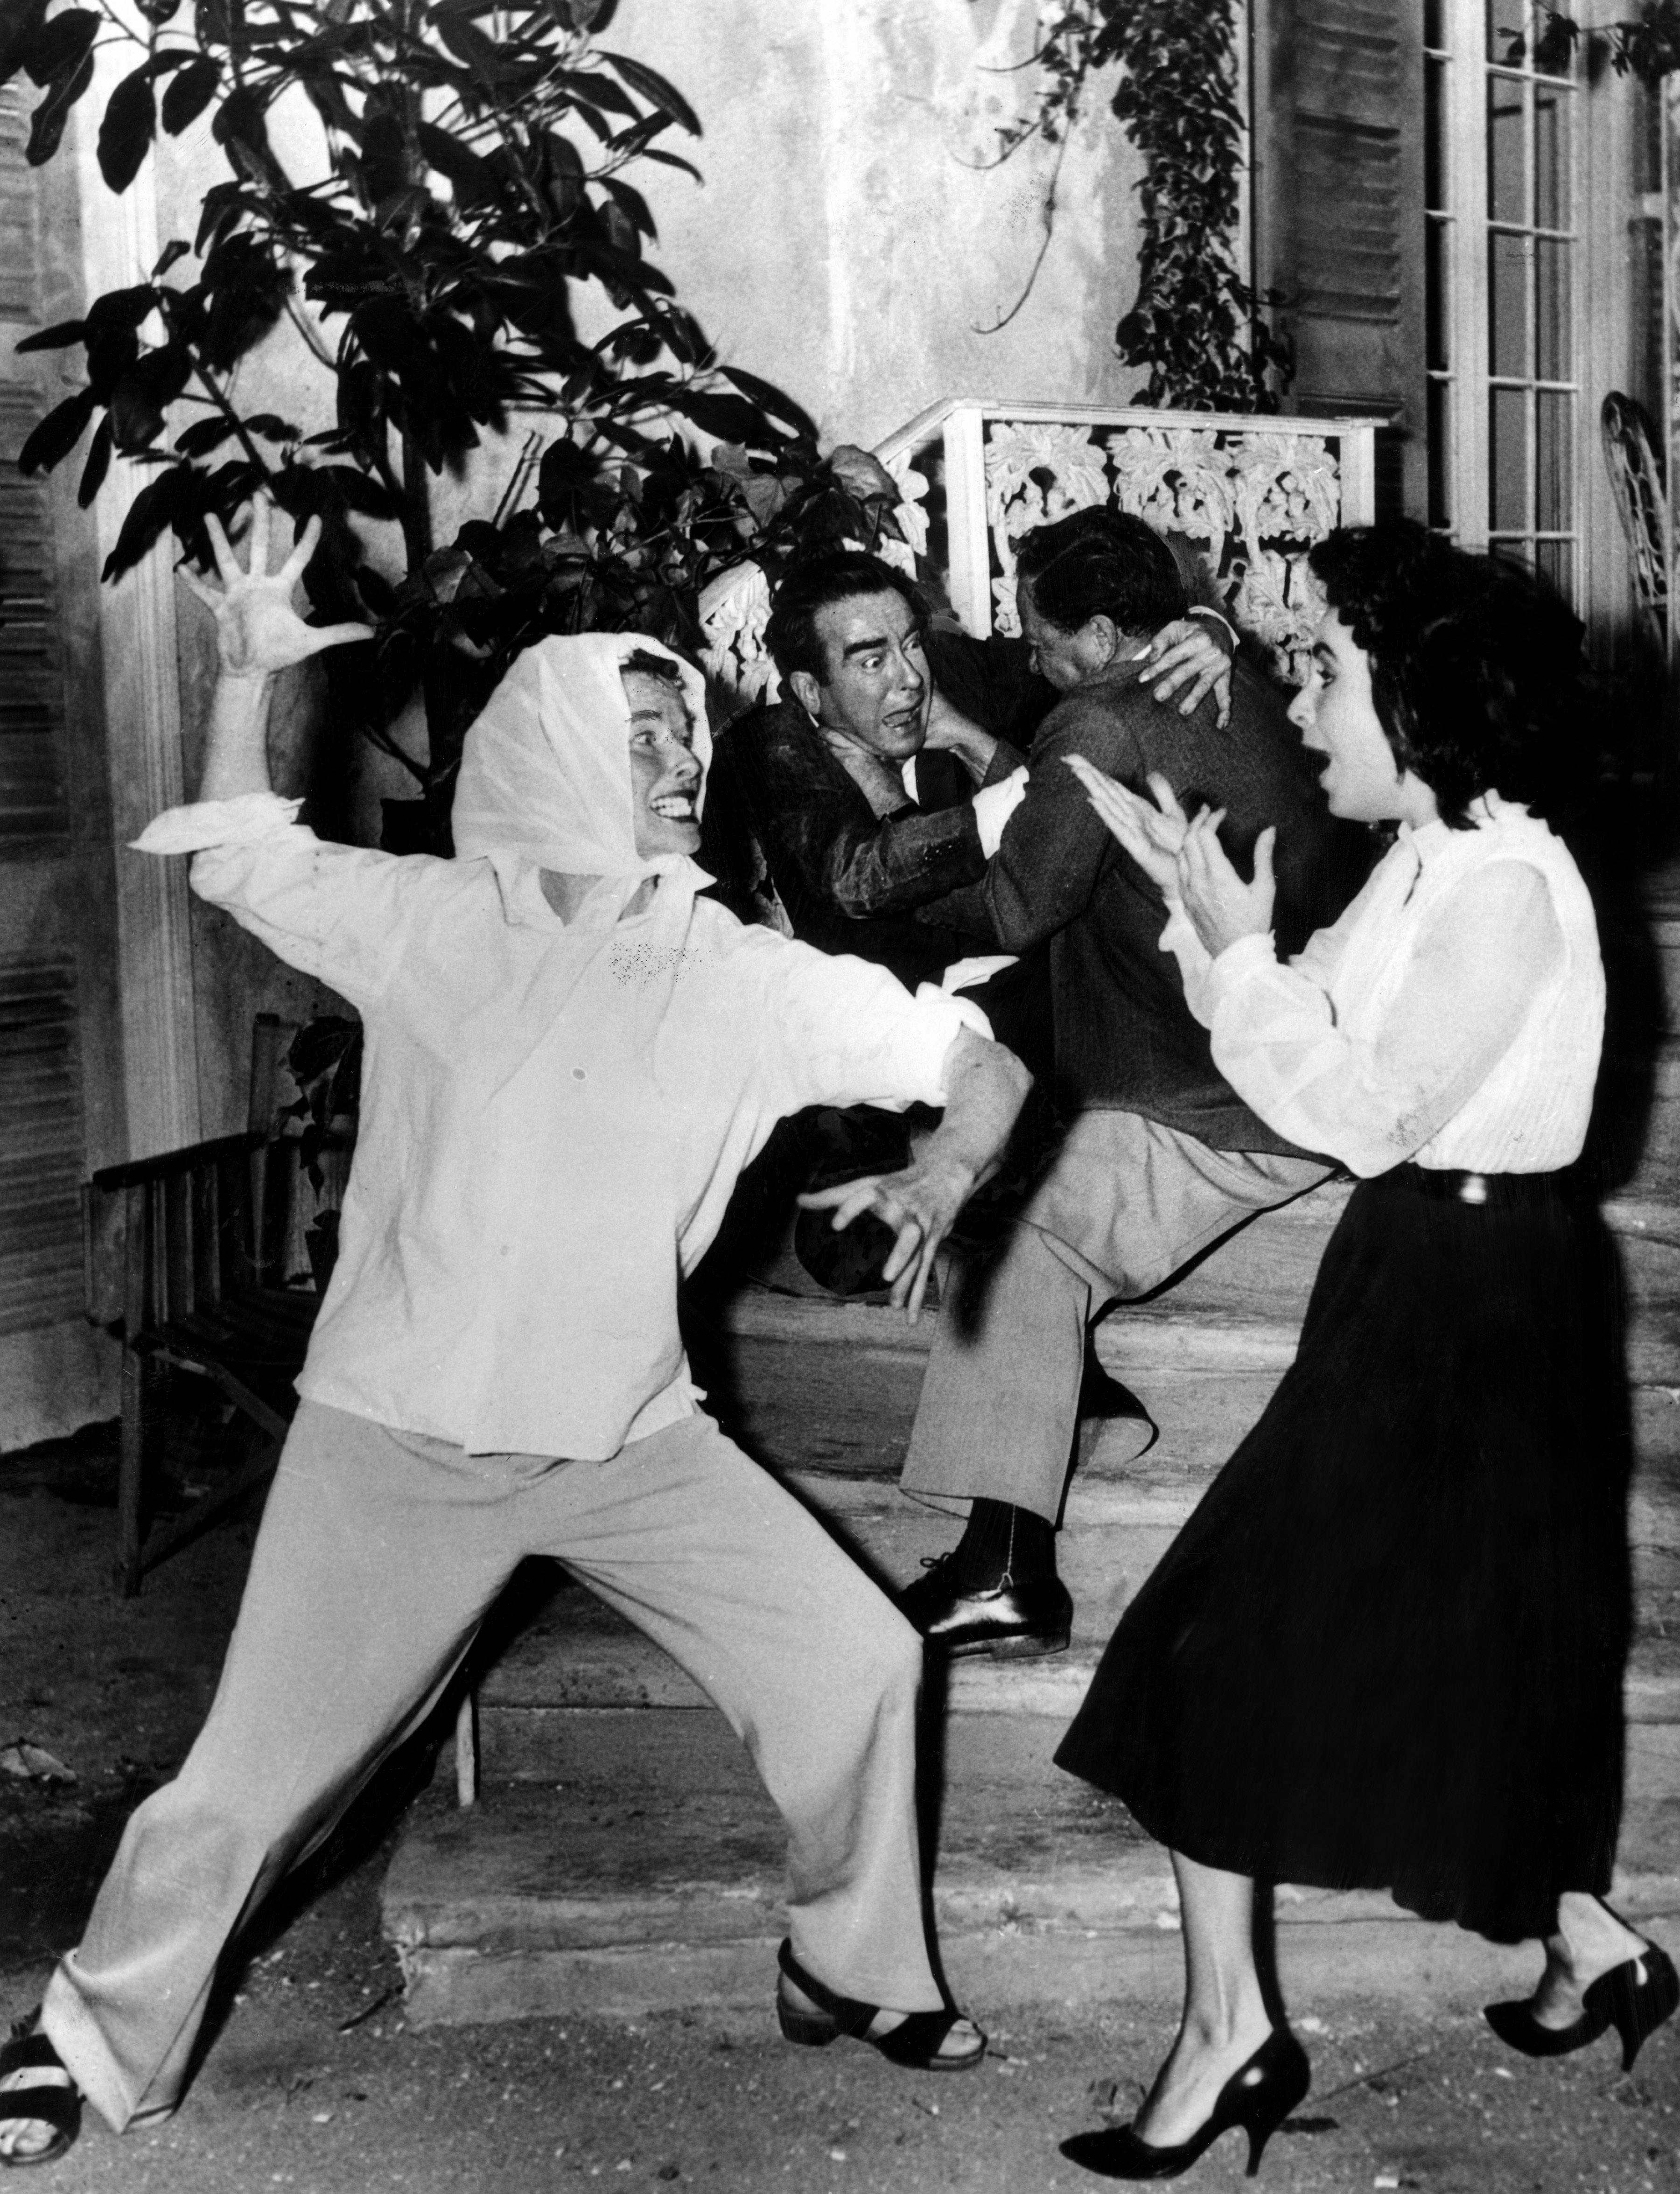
(1502, 280)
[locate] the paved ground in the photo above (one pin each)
(314, 2082)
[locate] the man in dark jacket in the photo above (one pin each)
(883, 778)
(1161, 1158)
(869, 792)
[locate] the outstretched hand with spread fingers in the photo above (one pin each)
(1153, 836)
(920, 1204)
(257, 630)
(1221, 906)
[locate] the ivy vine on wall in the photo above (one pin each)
(1196, 327)
(1646, 45)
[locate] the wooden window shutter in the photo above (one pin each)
(42, 1139)
(1339, 210)
(32, 806)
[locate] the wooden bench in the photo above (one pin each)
(201, 1260)
(195, 1261)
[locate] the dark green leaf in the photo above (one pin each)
(630, 200)
(121, 309)
(173, 250)
(125, 135)
(159, 11)
(59, 336)
(241, 129)
(190, 92)
(672, 160)
(636, 136)
(656, 90)
(57, 435)
(46, 125)
(779, 406)
(59, 47)
(592, 90)
(270, 427)
(359, 491)
(470, 178)
(141, 397)
(223, 204)
(98, 464)
(202, 436)
(152, 511)
(469, 43)
(620, 229)
(19, 21)
(730, 418)
(375, 590)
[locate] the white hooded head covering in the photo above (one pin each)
(546, 771)
(545, 775)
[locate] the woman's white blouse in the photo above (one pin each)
(1454, 1015)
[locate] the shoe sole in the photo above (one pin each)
(1002, 1649)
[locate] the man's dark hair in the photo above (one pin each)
(653, 666)
(1477, 671)
(1101, 563)
(832, 575)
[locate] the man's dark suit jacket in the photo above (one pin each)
(851, 881)
(1124, 1037)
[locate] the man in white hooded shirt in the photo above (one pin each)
(569, 1058)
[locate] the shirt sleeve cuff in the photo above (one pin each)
(1207, 610)
(1232, 967)
(993, 805)
(237, 822)
(943, 1019)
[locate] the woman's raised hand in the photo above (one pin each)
(1221, 906)
(1153, 836)
(258, 631)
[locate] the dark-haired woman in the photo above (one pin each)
(1386, 1650)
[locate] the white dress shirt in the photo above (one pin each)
(992, 805)
(1454, 1015)
(528, 1184)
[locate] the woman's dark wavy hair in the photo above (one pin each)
(1476, 670)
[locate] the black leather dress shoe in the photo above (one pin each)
(1009, 1621)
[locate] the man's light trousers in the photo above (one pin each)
(1125, 1203)
(379, 1553)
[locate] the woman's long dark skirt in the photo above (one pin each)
(1386, 1651)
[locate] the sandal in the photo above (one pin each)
(914, 2042)
(54, 2102)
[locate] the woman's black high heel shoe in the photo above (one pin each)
(1634, 1997)
(914, 2042)
(1258, 2097)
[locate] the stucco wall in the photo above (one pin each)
(846, 243)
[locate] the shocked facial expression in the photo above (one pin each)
(665, 772)
(878, 689)
(1337, 718)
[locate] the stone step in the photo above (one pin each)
(572, 1654)
(648, 1876)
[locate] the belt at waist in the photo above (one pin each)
(1503, 1189)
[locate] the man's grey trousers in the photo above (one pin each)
(1125, 1202)
(379, 1553)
